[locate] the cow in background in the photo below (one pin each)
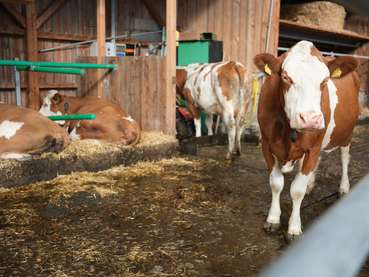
(217, 88)
(307, 104)
(24, 132)
(112, 124)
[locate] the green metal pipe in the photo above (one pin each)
(75, 71)
(57, 64)
(87, 116)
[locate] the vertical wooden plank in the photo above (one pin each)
(32, 55)
(274, 32)
(171, 21)
(243, 30)
(235, 28)
(100, 18)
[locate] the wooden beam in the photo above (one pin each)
(170, 92)
(8, 86)
(150, 6)
(15, 31)
(17, 1)
(49, 11)
(32, 55)
(15, 15)
(101, 27)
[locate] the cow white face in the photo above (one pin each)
(304, 77)
(47, 106)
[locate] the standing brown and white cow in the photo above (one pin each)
(112, 124)
(302, 111)
(217, 88)
(24, 132)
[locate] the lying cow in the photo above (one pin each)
(304, 109)
(216, 88)
(112, 124)
(24, 132)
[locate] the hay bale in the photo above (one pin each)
(322, 14)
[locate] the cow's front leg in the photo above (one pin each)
(276, 182)
(298, 190)
(345, 159)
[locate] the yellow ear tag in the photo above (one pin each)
(336, 73)
(267, 70)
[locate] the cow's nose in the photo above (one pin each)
(310, 120)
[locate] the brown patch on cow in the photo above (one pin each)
(211, 69)
(191, 104)
(228, 79)
(347, 93)
(37, 134)
(181, 77)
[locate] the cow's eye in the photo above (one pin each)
(286, 79)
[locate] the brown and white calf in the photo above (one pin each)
(24, 132)
(112, 124)
(304, 110)
(216, 88)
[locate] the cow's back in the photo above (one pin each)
(34, 133)
(111, 123)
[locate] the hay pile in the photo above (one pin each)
(323, 14)
(86, 155)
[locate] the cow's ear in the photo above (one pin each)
(267, 63)
(57, 99)
(341, 66)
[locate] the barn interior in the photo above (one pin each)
(149, 209)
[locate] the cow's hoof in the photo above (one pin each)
(229, 157)
(292, 237)
(271, 227)
(341, 194)
(238, 153)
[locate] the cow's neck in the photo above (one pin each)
(74, 103)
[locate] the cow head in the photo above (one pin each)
(304, 75)
(54, 104)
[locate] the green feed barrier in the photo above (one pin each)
(88, 116)
(74, 71)
(52, 64)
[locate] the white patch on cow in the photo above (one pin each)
(129, 118)
(298, 190)
(15, 156)
(345, 159)
(276, 182)
(73, 135)
(288, 167)
(45, 109)
(333, 101)
(307, 73)
(8, 129)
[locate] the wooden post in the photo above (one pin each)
(171, 22)
(274, 37)
(100, 5)
(32, 55)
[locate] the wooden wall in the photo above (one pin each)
(360, 24)
(74, 21)
(240, 24)
(137, 85)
